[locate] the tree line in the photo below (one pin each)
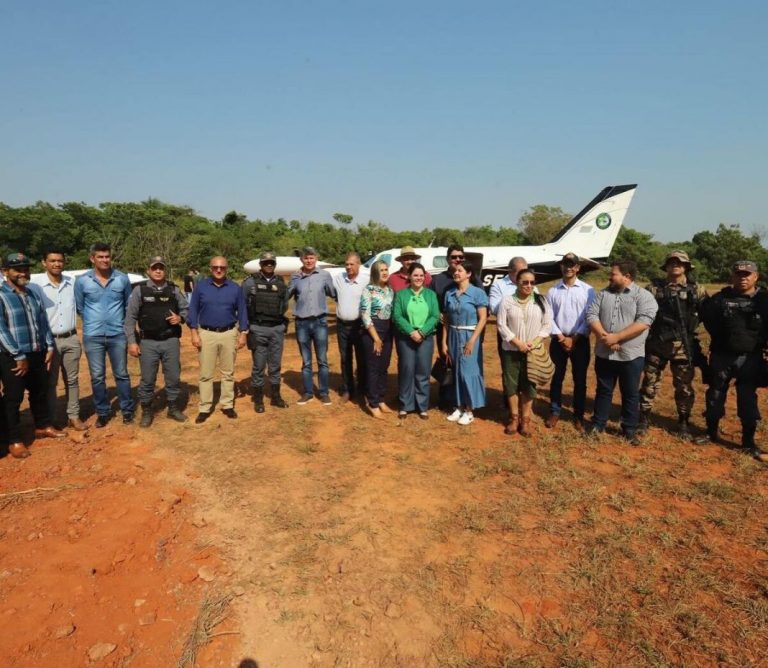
(138, 230)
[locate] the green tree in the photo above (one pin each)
(541, 223)
(343, 218)
(716, 252)
(641, 248)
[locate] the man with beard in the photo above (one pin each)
(620, 316)
(26, 350)
(737, 321)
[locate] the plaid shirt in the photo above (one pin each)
(23, 324)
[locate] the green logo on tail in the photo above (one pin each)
(603, 221)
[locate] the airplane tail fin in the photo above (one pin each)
(592, 232)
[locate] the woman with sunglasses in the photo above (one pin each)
(524, 321)
(415, 314)
(376, 314)
(465, 314)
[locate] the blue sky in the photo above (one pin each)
(415, 114)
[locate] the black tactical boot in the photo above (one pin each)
(643, 422)
(147, 415)
(174, 412)
(258, 399)
(276, 399)
(712, 435)
(683, 428)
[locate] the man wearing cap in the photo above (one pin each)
(569, 299)
(399, 280)
(310, 287)
(672, 339)
(101, 297)
(57, 293)
(26, 350)
(737, 321)
(218, 320)
(157, 309)
(266, 298)
(349, 286)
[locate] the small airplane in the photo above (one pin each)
(590, 234)
(135, 279)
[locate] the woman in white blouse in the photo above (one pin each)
(524, 320)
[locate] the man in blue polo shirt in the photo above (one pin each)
(101, 297)
(218, 319)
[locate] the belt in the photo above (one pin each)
(470, 328)
(218, 329)
(348, 322)
(65, 335)
(310, 317)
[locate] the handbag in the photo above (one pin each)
(539, 365)
(442, 373)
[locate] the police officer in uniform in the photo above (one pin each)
(737, 321)
(266, 298)
(672, 339)
(158, 310)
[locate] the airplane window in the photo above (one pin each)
(386, 257)
(440, 262)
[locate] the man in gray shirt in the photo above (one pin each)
(310, 287)
(620, 316)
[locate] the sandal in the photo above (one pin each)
(512, 425)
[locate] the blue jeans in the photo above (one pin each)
(96, 350)
(414, 364)
(628, 375)
(579, 357)
(309, 330)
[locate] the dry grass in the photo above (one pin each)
(213, 611)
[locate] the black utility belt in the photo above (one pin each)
(160, 337)
(65, 335)
(218, 329)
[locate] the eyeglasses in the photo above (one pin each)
(218, 267)
(527, 282)
(456, 257)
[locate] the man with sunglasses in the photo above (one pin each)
(266, 298)
(158, 309)
(737, 321)
(218, 319)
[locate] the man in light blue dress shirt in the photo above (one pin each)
(569, 299)
(57, 293)
(101, 297)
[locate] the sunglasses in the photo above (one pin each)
(218, 267)
(456, 257)
(270, 263)
(527, 282)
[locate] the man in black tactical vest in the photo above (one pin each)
(737, 320)
(157, 310)
(266, 297)
(672, 340)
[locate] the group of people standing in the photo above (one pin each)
(637, 331)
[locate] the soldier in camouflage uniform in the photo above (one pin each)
(672, 339)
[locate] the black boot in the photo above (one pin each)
(258, 399)
(174, 412)
(683, 428)
(712, 435)
(276, 399)
(643, 422)
(147, 415)
(748, 437)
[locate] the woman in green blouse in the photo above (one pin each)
(415, 314)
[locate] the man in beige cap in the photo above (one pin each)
(153, 319)
(399, 280)
(672, 339)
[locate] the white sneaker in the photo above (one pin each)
(454, 417)
(466, 418)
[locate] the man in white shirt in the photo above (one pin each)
(57, 293)
(349, 287)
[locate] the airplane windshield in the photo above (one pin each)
(386, 257)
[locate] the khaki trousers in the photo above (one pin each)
(218, 349)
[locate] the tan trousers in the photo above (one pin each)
(219, 349)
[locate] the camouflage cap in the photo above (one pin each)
(13, 260)
(744, 265)
(157, 259)
(682, 256)
(267, 256)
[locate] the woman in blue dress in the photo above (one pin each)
(466, 312)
